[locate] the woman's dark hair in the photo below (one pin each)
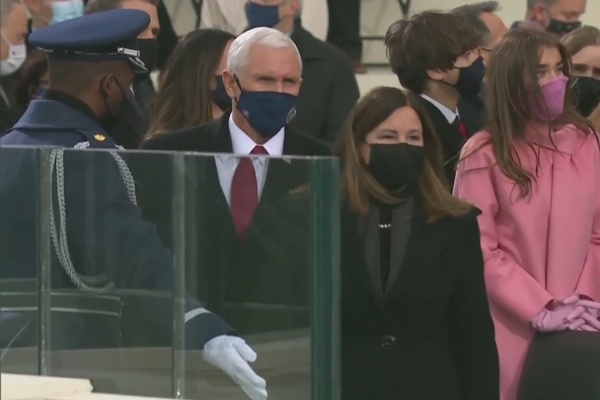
(358, 185)
(29, 77)
(184, 93)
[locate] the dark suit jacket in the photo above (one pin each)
(270, 266)
(472, 113)
(449, 135)
(329, 90)
(431, 336)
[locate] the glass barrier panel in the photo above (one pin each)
(24, 250)
(152, 255)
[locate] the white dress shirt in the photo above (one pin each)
(242, 146)
(448, 113)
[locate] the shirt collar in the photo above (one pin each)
(243, 145)
(448, 113)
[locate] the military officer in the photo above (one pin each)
(93, 60)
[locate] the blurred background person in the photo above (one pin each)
(329, 88)
(583, 45)
(483, 16)
(46, 12)
(32, 79)
(344, 30)
(437, 56)
(135, 117)
(541, 243)
(191, 90)
(558, 17)
(13, 51)
(404, 236)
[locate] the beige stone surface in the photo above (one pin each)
(22, 387)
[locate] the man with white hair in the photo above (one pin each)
(254, 206)
(330, 90)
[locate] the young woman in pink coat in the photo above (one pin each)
(535, 175)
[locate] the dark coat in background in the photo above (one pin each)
(259, 283)
(431, 336)
(329, 90)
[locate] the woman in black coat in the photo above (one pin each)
(415, 318)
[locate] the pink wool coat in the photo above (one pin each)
(539, 248)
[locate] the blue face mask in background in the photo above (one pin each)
(266, 112)
(259, 15)
(66, 9)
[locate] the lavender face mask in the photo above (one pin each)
(553, 97)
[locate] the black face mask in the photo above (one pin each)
(470, 79)
(220, 96)
(148, 53)
(112, 111)
(586, 91)
(397, 167)
(561, 28)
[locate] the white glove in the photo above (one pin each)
(231, 354)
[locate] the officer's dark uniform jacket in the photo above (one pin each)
(104, 231)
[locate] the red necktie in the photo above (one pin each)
(244, 193)
(461, 128)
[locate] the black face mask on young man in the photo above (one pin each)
(470, 79)
(397, 167)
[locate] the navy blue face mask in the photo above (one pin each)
(220, 96)
(260, 15)
(470, 79)
(266, 112)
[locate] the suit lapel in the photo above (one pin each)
(284, 174)
(354, 228)
(426, 243)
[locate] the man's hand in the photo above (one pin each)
(231, 354)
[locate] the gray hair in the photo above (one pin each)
(473, 13)
(239, 51)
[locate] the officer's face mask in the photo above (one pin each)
(64, 10)
(114, 103)
(17, 53)
(266, 112)
(260, 15)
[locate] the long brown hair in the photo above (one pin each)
(512, 70)
(184, 96)
(582, 37)
(358, 185)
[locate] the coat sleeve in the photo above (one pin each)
(589, 282)
(509, 286)
(471, 323)
(106, 233)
